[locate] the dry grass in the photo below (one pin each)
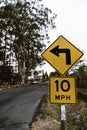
(49, 116)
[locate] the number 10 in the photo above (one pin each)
(62, 85)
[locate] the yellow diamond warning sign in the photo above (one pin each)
(62, 55)
(62, 90)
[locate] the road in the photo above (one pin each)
(17, 106)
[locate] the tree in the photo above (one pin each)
(23, 29)
(45, 76)
(1, 55)
(6, 74)
(54, 74)
(81, 75)
(82, 70)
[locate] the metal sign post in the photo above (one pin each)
(62, 55)
(63, 117)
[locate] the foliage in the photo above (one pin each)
(45, 76)
(82, 70)
(23, 29)
(81, 76)
(5, 74)
(54, 74)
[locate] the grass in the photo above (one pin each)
(49, 116)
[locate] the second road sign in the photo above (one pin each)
(62, 90)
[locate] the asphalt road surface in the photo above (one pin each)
(17, 106)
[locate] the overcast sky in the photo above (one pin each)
(71, 22)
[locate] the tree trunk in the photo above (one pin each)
(23, 74)
(21, 66)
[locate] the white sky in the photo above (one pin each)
(71, 22)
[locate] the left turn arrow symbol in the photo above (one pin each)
(56, 51)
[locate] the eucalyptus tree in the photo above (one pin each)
(23, 28)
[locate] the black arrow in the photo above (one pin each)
(56, 52)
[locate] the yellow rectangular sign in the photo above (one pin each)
(62, 90)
